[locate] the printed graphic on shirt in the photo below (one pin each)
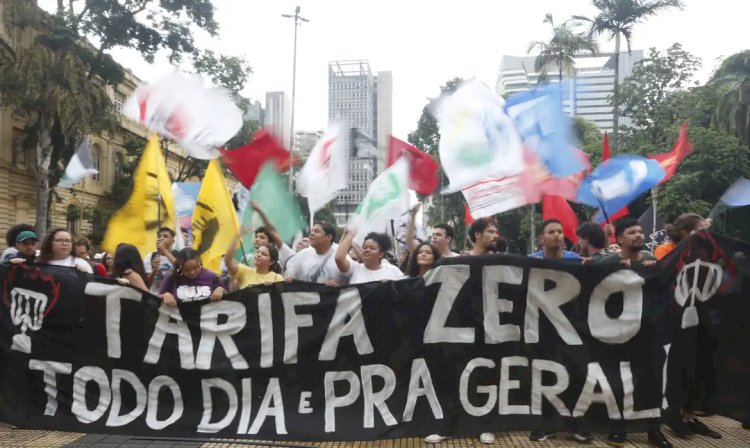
(193, 293)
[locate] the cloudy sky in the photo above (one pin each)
(424, 43)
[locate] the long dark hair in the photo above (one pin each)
(184, 255)
(45, 251)
(128, 257)
(275, 266)
(412, 269)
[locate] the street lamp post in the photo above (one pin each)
(297, 19)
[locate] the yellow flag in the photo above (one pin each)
(214, 219)
(137, 222)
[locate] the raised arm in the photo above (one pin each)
(272, 232)
(410, 228)
(232, 266)
(343, 250)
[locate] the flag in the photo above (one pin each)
(324, 173)
(245, 161)
(654, 234)
(387, 198)
(606, 154)
(738, 194)
(271, 193)
(492, 196)
(618, 182)
(671, 160)
(360, 145)
(138, 221)
(539, 118)
(180, 107)
(423, 170)
(214, 219)
(558, 208)
(79, 166)
(468, 219)
(478, 140)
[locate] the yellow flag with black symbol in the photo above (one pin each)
(215, 222)
(138, 221)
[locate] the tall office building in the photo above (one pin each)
(304, 142)
(359, 99)
(587, 97)
(277, 116)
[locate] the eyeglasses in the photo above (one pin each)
(61, 241)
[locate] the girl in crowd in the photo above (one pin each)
(190, 282)
(372, 267)
(108, 261)
(128, 265)
(57, 249)
(682, 227)
(267, 270)
(424, 258)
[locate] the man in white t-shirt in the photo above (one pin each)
(316, 264)
(159, 264)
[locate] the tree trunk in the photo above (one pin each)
(616, 96)
(43, 157)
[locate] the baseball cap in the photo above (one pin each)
(26, 235)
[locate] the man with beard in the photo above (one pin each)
(629, 236)
(591, 241)
(483, 234)
(553, 241)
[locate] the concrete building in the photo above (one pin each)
(304, 142)
(359, 99)
(278, 115)
(587, 97)
(254, 112)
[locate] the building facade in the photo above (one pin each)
(587, 96)
(359, 99)
(277, 116)
(304, 142)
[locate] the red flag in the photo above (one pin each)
(245, 161)
(468, 219)
(605, 148)
(557, 207)
(670, 160)
(423, 169)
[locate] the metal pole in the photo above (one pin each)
(297, 19)
(653, 206)
(532, 231)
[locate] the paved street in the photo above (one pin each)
(734, 436)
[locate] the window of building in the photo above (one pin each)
(19, 152)
(119, 101)
(96, 156)
(119, 161)
(73, 218)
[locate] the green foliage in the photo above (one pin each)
(561, 49)
(732, 81)
(646, 96)
(230, 72)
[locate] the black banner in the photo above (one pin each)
(482, 344)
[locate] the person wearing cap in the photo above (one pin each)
(25, 245)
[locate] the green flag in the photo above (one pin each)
(271, 193)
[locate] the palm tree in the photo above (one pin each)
(732, 80)
(560, 50)
(617, 18)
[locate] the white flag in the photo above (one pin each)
(324, 173)
(79, 167)
(387, 198)
(478, 140)
(180, 107)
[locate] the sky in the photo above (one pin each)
(423, 43)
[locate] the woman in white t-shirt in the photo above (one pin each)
(372, 268)
(57, 249)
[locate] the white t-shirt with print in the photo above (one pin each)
(73, 262)
(358, 273)
(165, 267)
(306, 266)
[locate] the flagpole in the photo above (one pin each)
(653, 206)
(532, 230)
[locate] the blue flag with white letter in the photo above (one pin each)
(538, 115)
(619, 181)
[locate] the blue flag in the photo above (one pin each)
(538, 115)
(619, 181)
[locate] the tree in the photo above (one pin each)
(561, 49)
(617, 18)
(732, 80)
(646, 96)
(444, 208)
(51, 80)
